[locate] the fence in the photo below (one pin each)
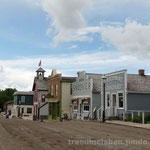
(139, 112)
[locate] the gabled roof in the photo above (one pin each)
(97, 78)
(138, 83)
(40, 70)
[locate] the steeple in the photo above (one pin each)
(40, 73)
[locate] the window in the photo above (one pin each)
(75, 107)
(52, 93)
(15, 100)
(86, 107)
(29, 110)
(43, 98)
(70, 89)
(108, 100)
(56, 92)
(22, 99)
(120, 97)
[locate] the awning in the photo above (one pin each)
(76, 100)
(81, 98)
(53, 100)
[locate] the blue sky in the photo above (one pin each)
(98, 36)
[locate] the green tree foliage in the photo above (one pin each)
(6, 95)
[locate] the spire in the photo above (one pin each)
(40, 70)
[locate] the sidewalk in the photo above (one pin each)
(131, 124)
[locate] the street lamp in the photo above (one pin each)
(104, 84)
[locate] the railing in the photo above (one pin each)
(99, 113)
(139, 112)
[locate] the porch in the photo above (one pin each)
(81, 108)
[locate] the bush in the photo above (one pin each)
(137, 119)
(113, 118)
(147, 118)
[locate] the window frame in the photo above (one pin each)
(43, 101)
(28, 109)
(120, 92)
(23, 99)
(75, 105)
(85, 105)
(52, 90)
(56, 89)
(106, 100)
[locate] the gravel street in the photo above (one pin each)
(18, 134)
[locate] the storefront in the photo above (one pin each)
(59, 96)
(23, 105)
(115, 93)
(86, 95)
(126, 93)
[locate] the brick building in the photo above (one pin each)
(59, 95)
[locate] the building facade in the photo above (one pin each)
(86, 96)
(23, 105)
(126, 92)
(59, 95)
(40, 89)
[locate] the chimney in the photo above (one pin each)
(141, 72)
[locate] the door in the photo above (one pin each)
(54, 111)
(114, 99)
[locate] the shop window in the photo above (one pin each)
(56, 90)
(22, 99)
(108, 100)
(120, 97)
(29, 110)
(86, 107)
(43, 98)
(75, 107)
(52, 92)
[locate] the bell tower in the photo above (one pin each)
(40, 73)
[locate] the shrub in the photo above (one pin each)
(147, 118)
(137, 119)
(113, 118)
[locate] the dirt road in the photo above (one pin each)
(17, 134)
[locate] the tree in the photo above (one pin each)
(6, 95)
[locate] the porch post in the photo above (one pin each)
(132, 115)
(143, 119)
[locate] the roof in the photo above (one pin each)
(24, 93)
(40, 70)
(9, 102)
(68, 79)
(41, 84)
(138, 83)
(97, 78)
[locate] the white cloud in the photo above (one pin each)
(66, 16)
(132, 38)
